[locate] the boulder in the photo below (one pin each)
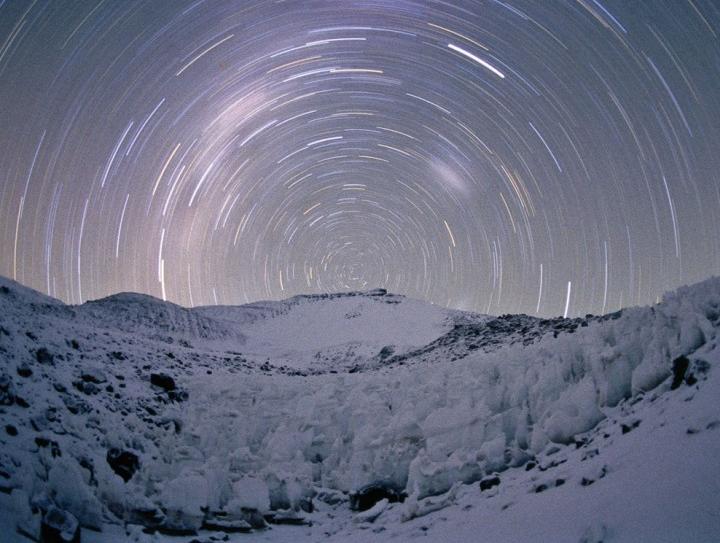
(124, 463)
(163, 381)
(367, 496)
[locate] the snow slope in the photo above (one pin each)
(130, 412)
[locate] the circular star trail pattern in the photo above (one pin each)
(552, 158)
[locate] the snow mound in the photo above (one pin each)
(139, 313)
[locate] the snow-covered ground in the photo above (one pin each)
(358, 416)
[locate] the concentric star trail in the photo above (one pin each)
(482, 155)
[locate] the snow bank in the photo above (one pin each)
(422, 429)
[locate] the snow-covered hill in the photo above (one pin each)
(358, 415)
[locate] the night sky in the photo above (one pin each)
(547, 157)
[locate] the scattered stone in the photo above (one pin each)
(163, 381)
(150, 517)
(226, 525)
(75, 404)
(93, 375)
(289, 517)
(178, 395)
(59, 387)
(44, 442)
(124, 463)
(86, 387)
(594, 476)
(44, 356)
(59, 526)
(367, 496)
(211, 539)
(626, 428)
(386, 352)
(679, 367)
(488, 482)
(330, 496)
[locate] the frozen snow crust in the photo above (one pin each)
(129, 409)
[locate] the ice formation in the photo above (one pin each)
(256, 413)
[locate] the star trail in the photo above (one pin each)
(498, 156)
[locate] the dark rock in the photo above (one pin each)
(86, 387)
(367, 496)
(117, 355)
(75, 404)
(59, 387)
(178, 395)
(44, 356)
(21, 402)
(124, 463)
(151, 518)
(163, 381)
(386, 351)
(11, 430)
(288, 517)
(59, 526)
(44, 443)
(24, 370)
(679, 367)
(540, 488)
(93, 376)
(488, 482)
(228, 526)
(626, 428)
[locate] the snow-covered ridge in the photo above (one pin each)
(119, 407)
